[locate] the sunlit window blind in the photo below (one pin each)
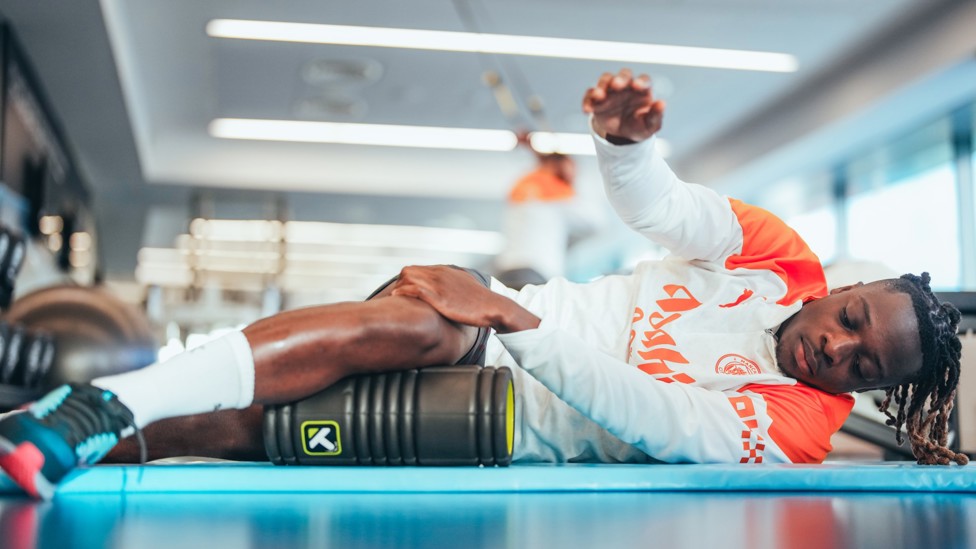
(902, 206)
(806, 203)
(910, 226)
(819, 229)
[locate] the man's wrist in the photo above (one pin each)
(617, 140)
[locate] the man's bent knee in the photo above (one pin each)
(420, 330)
(472, 341)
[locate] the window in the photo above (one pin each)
(819, 229)
(807, 205)
(902, 207)
(911, 226)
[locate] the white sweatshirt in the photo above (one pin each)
(676, 361)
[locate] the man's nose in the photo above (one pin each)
(839, 346)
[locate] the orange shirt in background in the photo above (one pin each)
(542, 186)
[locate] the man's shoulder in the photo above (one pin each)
(768, 243)
(803, 418)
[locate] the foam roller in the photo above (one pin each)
(444, 415)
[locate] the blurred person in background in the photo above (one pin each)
(543, 219)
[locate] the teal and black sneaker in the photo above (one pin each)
(72, 425)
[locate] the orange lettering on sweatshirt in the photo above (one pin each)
(677, 304)
(658, 348)
(752, 442)
(638, 315)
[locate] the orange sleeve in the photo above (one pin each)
(769, 243)
(803, 418)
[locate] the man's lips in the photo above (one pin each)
(804, 357)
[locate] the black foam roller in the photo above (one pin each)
(391, 434)
(408, 412)
(448, 415)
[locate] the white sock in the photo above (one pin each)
(218, 374)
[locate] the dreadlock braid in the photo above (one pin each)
(935, 383)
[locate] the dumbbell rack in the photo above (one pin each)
(24, 357)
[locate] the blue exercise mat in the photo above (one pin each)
(238, 477)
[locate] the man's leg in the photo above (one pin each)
(299, 353)
(227, 434)
(288, 357)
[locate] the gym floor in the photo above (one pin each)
(261, 506)
(564, 520)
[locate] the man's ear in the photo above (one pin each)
(840, 289)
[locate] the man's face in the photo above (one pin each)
(857, 338)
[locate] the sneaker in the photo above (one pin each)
(71, 426)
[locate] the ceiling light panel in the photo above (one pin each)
(626, 52)
(364, 134)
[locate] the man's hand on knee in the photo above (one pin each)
(458, 296)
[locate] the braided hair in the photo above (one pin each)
(935, 384)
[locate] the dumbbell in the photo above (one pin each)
(12, 252)
(25, 359)
(68, 334)
(444, 415)
(97, 334)
(25, 356)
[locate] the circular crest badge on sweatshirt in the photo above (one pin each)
(736, 365)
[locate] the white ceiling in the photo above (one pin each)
(176, 79)
(136, 83)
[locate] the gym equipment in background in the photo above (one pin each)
(94, 333)
(12, 251)
(25, 359)
(442, 415)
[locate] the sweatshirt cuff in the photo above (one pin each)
(609, 150)
(517, 343)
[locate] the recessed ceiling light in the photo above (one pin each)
(578, 144)
(502, 44)
(563, 143)
(363, 134)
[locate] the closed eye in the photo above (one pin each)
(856, 367)
(845, 320)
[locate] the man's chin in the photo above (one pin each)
(786, 366)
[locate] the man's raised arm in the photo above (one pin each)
(690, 220)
